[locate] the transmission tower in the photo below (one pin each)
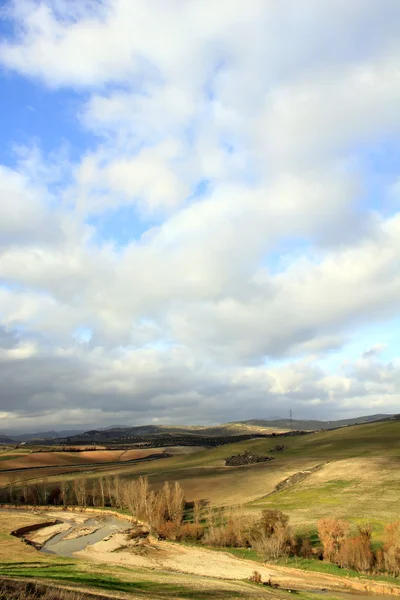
(291, 419)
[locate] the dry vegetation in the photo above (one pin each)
(20, 590)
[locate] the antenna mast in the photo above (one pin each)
(291, 419)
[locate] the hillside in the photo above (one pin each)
(170, 435)
(313, 425)
(45, 435)
(4, 439)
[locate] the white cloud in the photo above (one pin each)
(283, 256)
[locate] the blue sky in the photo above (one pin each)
(198, 209)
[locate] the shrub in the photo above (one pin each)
(215, 536)
(190, 532)
(380, 560)
(356, 553)
(332, 533)
(271, 535)
(168, 530)
(391, 548)
(255, 577)
(305, 549)
(272, 521)
(274, 546)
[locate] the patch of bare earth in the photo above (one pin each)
(47, 533)
(81, 532)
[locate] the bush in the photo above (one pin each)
(332, 533)
(274, 546)
(190, 532)
(356, 553)
(271, 535)
(255, 577)
(168, 531)
(305, 548)
(391, 548)
(215, 536)
(271, 521)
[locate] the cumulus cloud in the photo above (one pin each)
(257, 243)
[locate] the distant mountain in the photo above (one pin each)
(4, 439)
(311, 425)
(165, 433)
(46, 435)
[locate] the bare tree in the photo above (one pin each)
(178, 503)
(117, 491)
(25, 494)
(64, 487)
(167, 494)
(129, 494)
(109, 487)
(10, 485)
(197, 511)
(79, 487)
(101, 489)
(143, 483)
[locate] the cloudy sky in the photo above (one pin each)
(199, 210)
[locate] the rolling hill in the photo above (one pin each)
(4, 439)
(314, 425)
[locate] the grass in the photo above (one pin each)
(328, 494)
(72, 574)
(319, 566)
(26, 590)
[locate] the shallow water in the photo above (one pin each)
(107, 526)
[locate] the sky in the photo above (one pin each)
(199, 211)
